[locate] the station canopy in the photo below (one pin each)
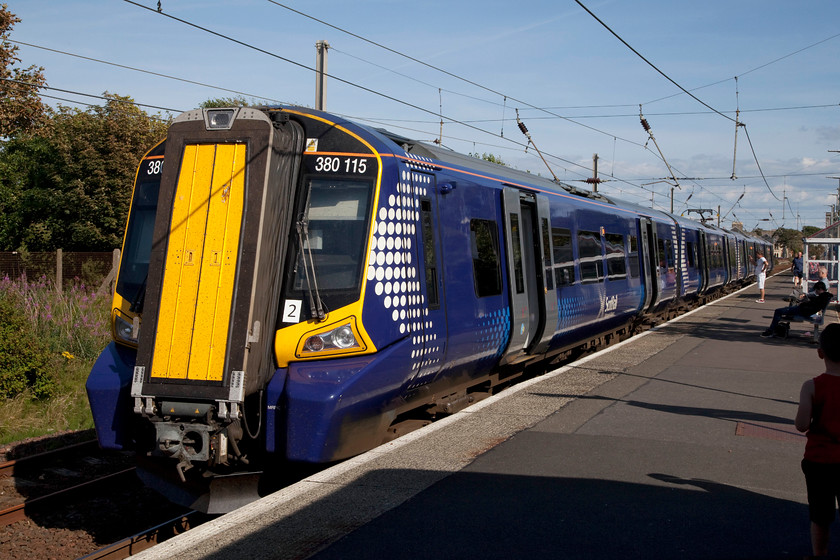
(823, 250)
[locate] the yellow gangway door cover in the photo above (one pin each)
(200, 269)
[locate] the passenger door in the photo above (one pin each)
(649, 268)
(702, 261)
(529, 263)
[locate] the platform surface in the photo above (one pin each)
(678, 443)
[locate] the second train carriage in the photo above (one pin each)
(296, 285)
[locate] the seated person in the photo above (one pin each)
(812, 302)
(823, 276)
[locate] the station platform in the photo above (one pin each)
(678, 443)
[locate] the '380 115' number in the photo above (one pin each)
(327, 164)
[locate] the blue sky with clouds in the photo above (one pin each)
(577, 87)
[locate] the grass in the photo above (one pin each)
(67, 330)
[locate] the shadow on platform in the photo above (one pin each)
(475, 515)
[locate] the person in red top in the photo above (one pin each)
(819, 416)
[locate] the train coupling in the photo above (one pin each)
(196, 437)
(184, 442)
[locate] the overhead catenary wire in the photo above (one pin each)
(39, 86)
(340, 29)
(413, 78)
(438, 69)
(649, 63)
(751, 70)
(497, 134)
(333, 77)
(639, 187)
(737, 124)
(76, 102)
(469, 121)
(304, 66)
(460, 122)
(749, 141)
(637, 53)
(151, 73)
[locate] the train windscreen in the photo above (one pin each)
(332, 241)
(134, 263)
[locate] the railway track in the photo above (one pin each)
(56, 499)
(68, 503)
(54, 477)
(134, 544)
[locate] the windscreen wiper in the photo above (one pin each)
(139, 297)
(305, 248)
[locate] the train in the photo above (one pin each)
(296, 288)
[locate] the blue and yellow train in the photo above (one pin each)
(297, 286)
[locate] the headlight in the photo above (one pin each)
(339, 338)
(219, 119)
(126, 332)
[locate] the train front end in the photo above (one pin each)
(205, 346)
(258, 221)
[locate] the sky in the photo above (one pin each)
(578, 84)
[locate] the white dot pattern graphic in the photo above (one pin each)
(393, 270)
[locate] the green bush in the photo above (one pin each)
(24, 358)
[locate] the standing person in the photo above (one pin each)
(760, 275)
(819, 416)
(796, 268)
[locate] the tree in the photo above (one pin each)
(490, 157)
(29, 166)
(808, 231)
(21, 109)
(814, 251)
(789, 238)
(221, 102)
(70, 186)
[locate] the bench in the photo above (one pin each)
(817, 319)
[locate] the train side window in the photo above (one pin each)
(591, 256)
(715, 255)
(564, 259)
(666, 253)
(429, 255)
(667, 270)
(633, 257)
(616, 263)
(733, 263)
(487, 266)
(660, 253)
(690, 253)
(517, 253)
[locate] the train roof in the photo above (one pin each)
(425, 150)
(445, 155)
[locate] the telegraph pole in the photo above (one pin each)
(321, 48)
(835, 211)
(784, 199)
